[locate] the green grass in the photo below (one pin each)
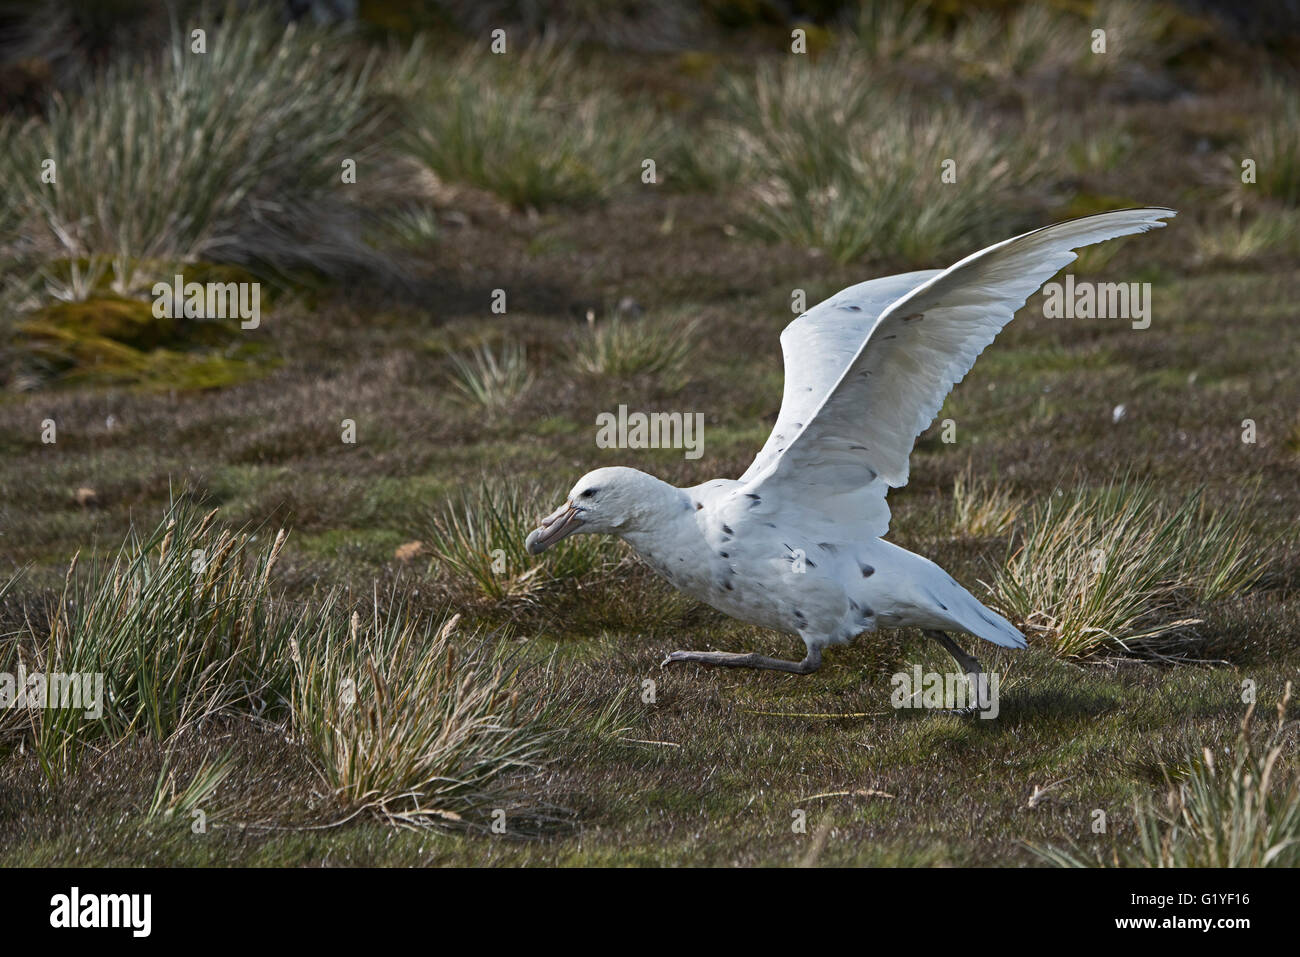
(1100, 569)
(489, 380)
(851, 168)
(618, 348)
(1274, 144)
(479, 540)
(232, 154)
(516, 126)
(1237, 810)
(180, 626)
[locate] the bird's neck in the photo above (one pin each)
(663, 512)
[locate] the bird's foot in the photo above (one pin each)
(979, 691)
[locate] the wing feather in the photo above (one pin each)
(847, 442)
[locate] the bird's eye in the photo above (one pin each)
(590, 493)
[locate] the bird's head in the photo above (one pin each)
(608, 500)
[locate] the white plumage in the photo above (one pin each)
(795, 543)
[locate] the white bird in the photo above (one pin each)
(795, 544)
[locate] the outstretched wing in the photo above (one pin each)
(847, 443)
(817, 348)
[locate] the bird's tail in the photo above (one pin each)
(989, 625)
(968, 614)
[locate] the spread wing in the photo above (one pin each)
(862, 383)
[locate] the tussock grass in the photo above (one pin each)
(490, 380)
(400, 716)
(179, 624)
(1274, 143)
(1034, 37)
(1241, 239)
(891, 30)
(405, 722)
(229, 155)
(1043, 40)
(981, 508)
(1242, 810)
(620, 348)
(414, 226)
(1111, 568)
(477, 540)
(526, 130)
(844, 167)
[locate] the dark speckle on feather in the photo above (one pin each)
(698, 506)
(867, 571)
(726, 530)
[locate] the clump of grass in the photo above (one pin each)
(489, 380)
(1111, 567)
(1033, 38)
(1042, 40)
(527, 132)
(890, 30)
(1243, 239)
(981, 508)
(704, 155)
(171, 799)
(619, 347)
(414, 226)
(231, 154)
(478, 541)
(1137, 32)
(1275, 143)
(844, 167)
(1097, 143)
(406, 722)
(1240, 812)
(180, 625)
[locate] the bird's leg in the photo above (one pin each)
(968, 664)
(811, 662)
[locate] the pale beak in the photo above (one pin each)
(563, 521)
